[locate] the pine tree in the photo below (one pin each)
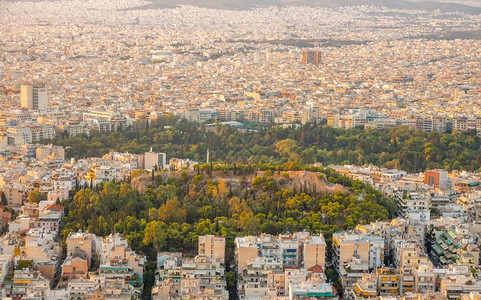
(4, 199)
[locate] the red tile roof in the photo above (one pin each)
(316, 269)
(54, 207)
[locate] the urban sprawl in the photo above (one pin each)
(68, 70)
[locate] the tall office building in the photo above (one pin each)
(33, 97)
(311, 57)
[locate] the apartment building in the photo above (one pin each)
(105, 121)
(75, 264)
(87, 242)
(118, 260)
(413, 205)
(203, 277)
(389, 282)
(245, 250)
(267, 264)
(456, 286)
(33, 97)
(436, 178)
(349, 244)
(212, 246)
(29, 282)
(298, 250)
(314, 251)
(95, 286)
(42, 248)
(152, 160)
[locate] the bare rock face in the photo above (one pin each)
(141, 182)
(284, 180)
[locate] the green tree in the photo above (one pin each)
(35, 196)
(171, 211)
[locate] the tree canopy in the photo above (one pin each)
(400, 148)
(172, 213)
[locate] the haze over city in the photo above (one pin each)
(276, 149)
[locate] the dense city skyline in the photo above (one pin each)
(279, 149)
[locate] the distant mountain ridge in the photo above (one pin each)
(249, 4)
